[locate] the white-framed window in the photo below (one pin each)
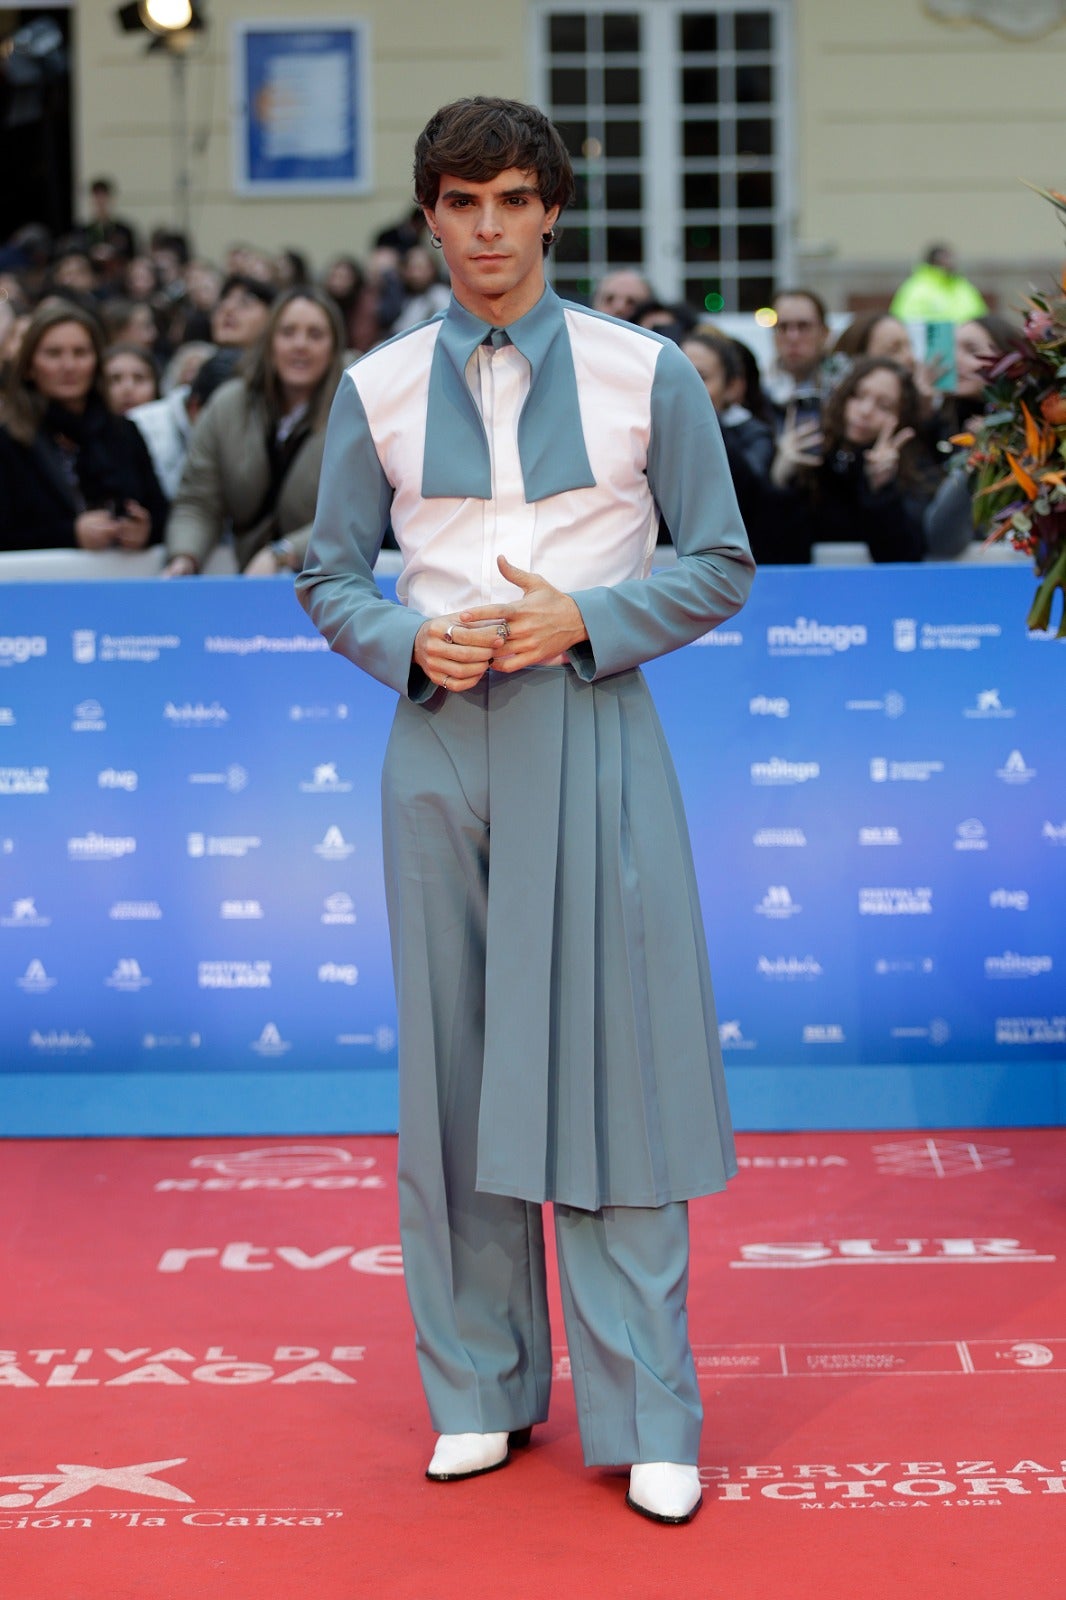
(676, 116)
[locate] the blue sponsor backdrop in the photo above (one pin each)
(192, 926)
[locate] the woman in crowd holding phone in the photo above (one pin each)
(71, 473)
(860, 474)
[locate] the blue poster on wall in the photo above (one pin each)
(301, 114)
(192, 922)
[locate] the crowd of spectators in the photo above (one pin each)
(153, 397)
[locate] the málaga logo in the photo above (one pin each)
(805, 637)
(17, 649)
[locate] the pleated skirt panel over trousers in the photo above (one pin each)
(557, 1042)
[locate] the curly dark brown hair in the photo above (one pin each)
(915, 467)
(480, 137)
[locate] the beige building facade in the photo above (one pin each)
(725, 147)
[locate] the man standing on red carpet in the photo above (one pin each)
(557, 1030)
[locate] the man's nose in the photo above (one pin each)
(489, 222)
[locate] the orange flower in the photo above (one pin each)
(1022, 477)
(1053, 407)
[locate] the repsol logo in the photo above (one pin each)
(18, 648)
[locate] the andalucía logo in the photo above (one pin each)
(334, 846)
(789, 967)
(35, 980)
(195, 715)
(270, 1042)
(1014, 769)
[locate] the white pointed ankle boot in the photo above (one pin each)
(465, 1455)
(665, 1491)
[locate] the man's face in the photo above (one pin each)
(799, 335)
(620, 293)
(491, 236)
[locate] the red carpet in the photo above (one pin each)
(207, 1385)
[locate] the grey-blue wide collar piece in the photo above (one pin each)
(551, 441)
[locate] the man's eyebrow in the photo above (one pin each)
(505, 194)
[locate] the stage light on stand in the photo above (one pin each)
(172, 24)
(171, 21)
(166, 16)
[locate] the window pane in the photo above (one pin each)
(699, 86)
(755, 191)
(624, 190)
(701, 191)
(700, 139)
(573, 135)
(621, 32)
(754, 30)
(567, 86)
(566, 33)
(581, 191)
(755, 86)
(572, 244)
(753, 293)
(625, 247)
(702, 243)
(755, 243)
(573, 284)
(703, 293)
(622, 140)
(699, 32)
(621, 86)
(755, 136)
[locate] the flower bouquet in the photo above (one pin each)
(1018, 450)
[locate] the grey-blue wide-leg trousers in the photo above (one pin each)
(474, 1261)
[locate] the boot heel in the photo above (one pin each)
(520, 1437)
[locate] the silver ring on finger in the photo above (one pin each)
(445, 681)
(449, 636)
(503, 631)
